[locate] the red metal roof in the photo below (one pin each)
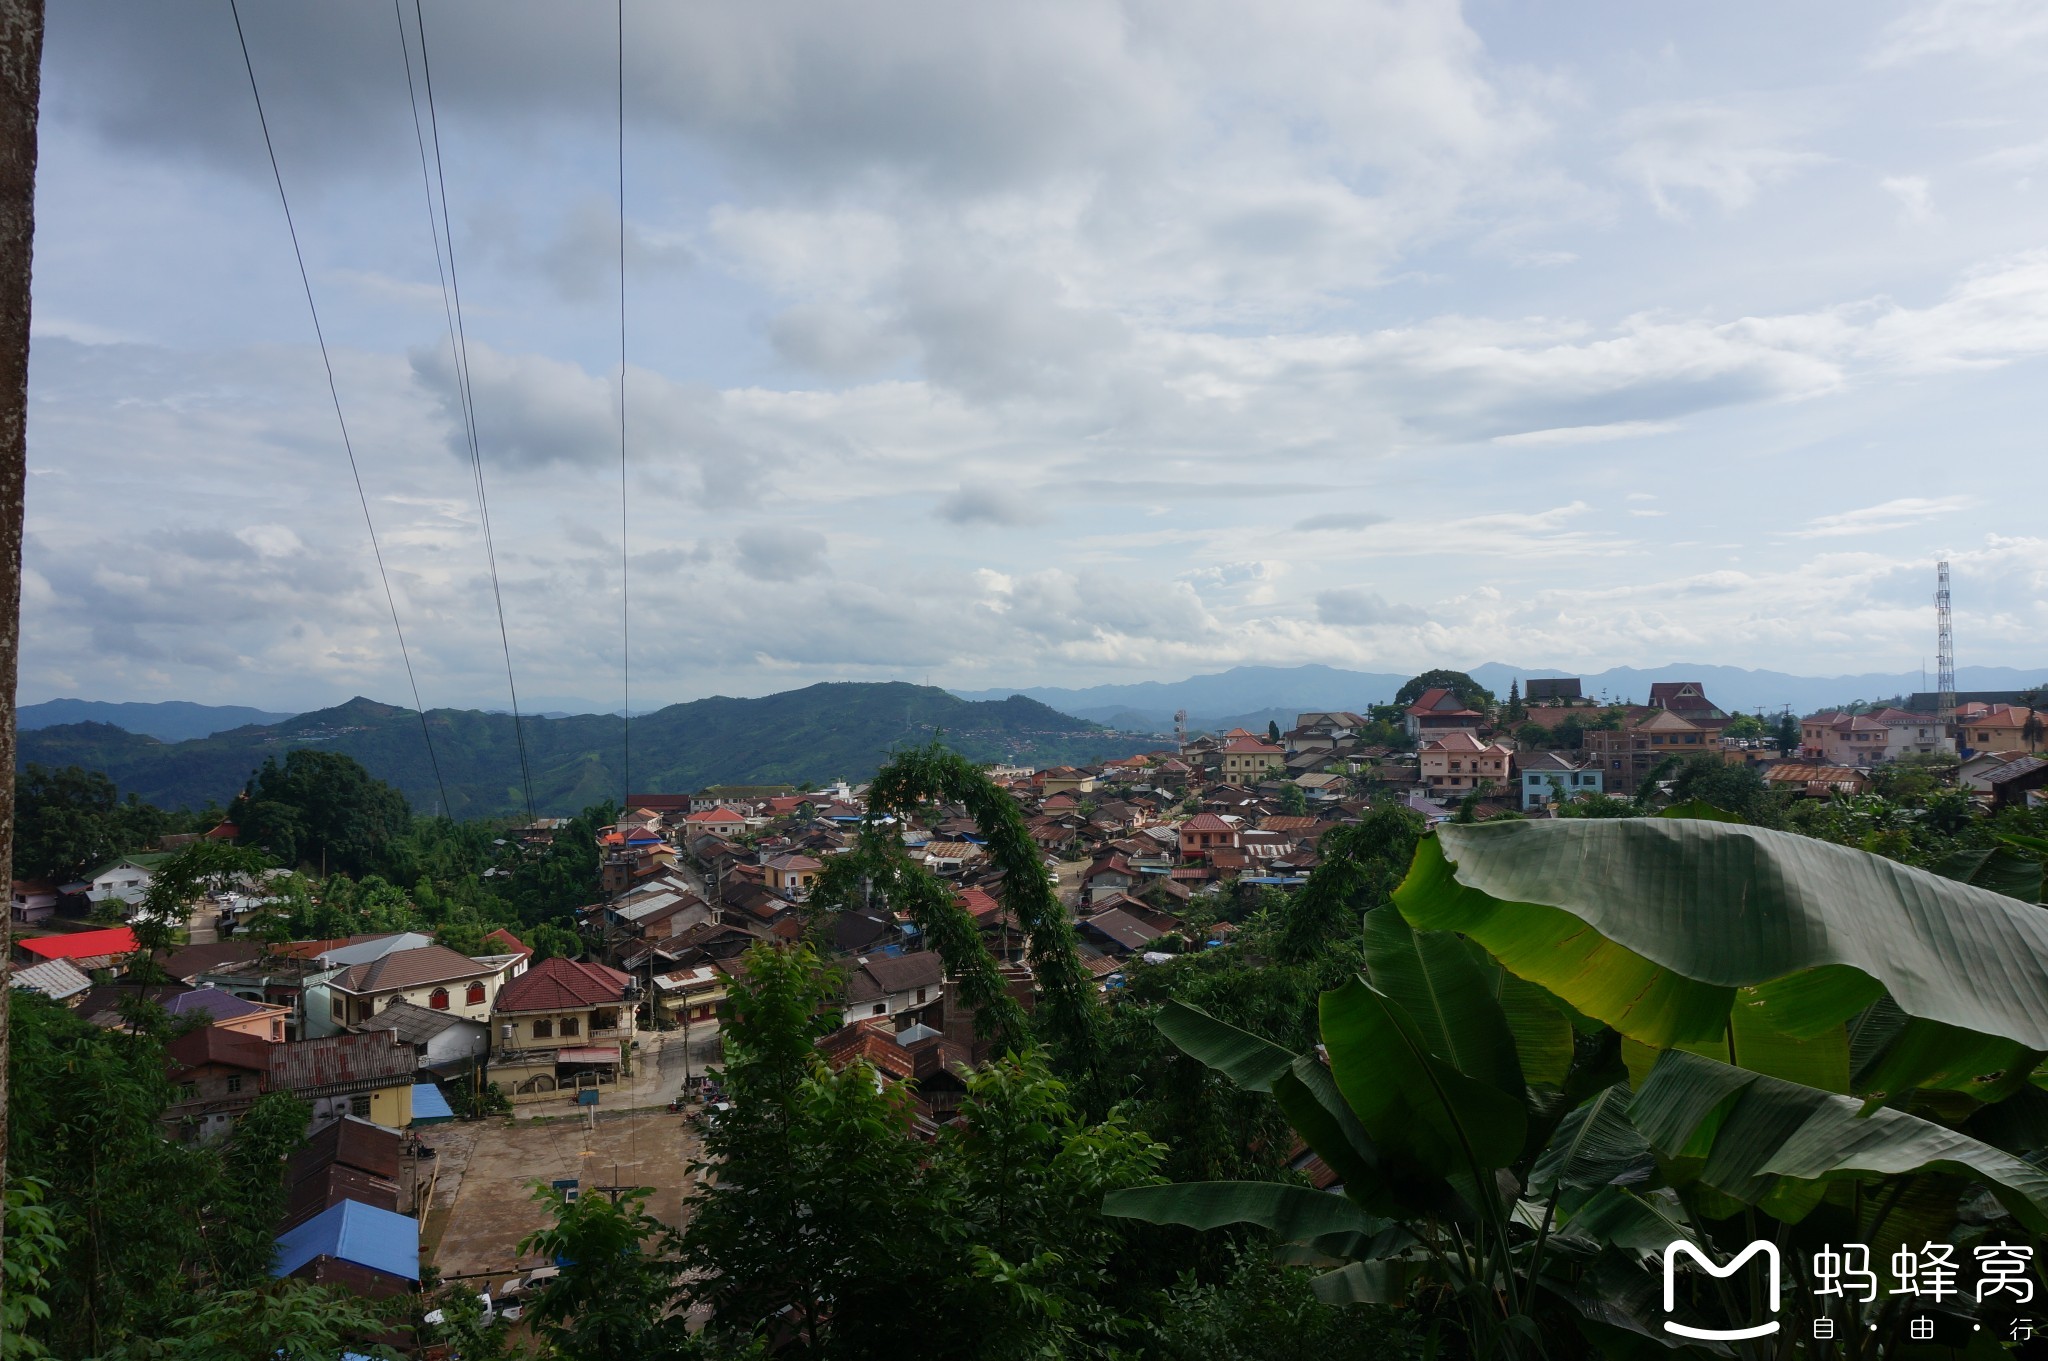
(1206, 822)
(113, 940)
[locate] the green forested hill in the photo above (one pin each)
(801, 737)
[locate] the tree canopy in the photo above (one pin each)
(321, 809)
(1474, 694)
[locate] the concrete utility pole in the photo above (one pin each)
(21, 83)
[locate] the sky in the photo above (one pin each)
(1059, 343)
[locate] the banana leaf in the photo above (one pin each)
(1653, 924)
(1999, 869)
(1409, 1101)
(1432, 976)
(1756, 1133)
(1295, 1214)
(1594, 1146)
(1247, 1060)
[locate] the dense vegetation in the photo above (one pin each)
(804, 737)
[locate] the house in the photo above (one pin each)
(216, 1075)
(950, 857)
(57, 979)
(1320, 786)
(349, 1159)
(127, 879)
(1066, 780)
(445, 1041)
(563, 1025)
(1975, 771)
(432, 976)
(1843, 739)
(1110, 874)
(2012, 783)
(1458, 762)
(1205, 833)
(1552, 690)
(1913, 734)
(1817, 781)
(1438, 711)
(889, 985)
(1687, 699)
(35, 901)
(226, 1011)
(368, 1251)
(792, 875)
(690, 996)
(2001, 727)
(369, 1076)
(716, 821)
(1546, 777)
(1249, 758)
(1117, 932)
(1628, 754)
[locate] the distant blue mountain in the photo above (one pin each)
(1244, 690)
(173, 720)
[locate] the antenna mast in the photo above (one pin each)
(1945, 661)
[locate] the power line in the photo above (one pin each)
(334, 392)
(625, 588)
(452, 287)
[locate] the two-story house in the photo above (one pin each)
(1246, 760)
(1548, 777)
(791, 875)
(431, 976)
(719, 821)
(889, 985)
(1437, 712)
(561, 1025)
(1206, 833)
(1458, 763)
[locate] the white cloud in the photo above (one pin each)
(1589, 434)
(1723, 153)
(1913, 195)
(1883, 518)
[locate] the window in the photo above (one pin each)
(334, 1007)
(359, 1106)
(880, 1009)
(475, 996)
(543, 1030)
(438, 999)
(571, 1027)
(188, 1091)
(235, 1083)
(920, 996)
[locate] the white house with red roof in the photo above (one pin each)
(720, 821)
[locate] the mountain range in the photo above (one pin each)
(803, 737)
(174, 720)
(1247, 696)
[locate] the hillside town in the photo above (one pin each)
(389, 1037)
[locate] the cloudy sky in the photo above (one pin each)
(1048, 343)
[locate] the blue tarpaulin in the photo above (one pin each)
(429, 1107)
(353, 1232)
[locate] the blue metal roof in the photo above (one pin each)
(353, 1232)
(428, 1105)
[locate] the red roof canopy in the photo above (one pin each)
(114, 940)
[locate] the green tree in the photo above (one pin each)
(322, 810)
(1294, 801)
(1471, 692)
(1026, 1180)
(1273, 731)
(1747, 726)
(69, 821)
(1788, 734)
(780, 1234)
(618, 1283)
(174, 884)
(1515, 711)
(1734, 788)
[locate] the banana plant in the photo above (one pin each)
(1805, 1026)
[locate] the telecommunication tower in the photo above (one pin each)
(1180, 727)
(1945, 660)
